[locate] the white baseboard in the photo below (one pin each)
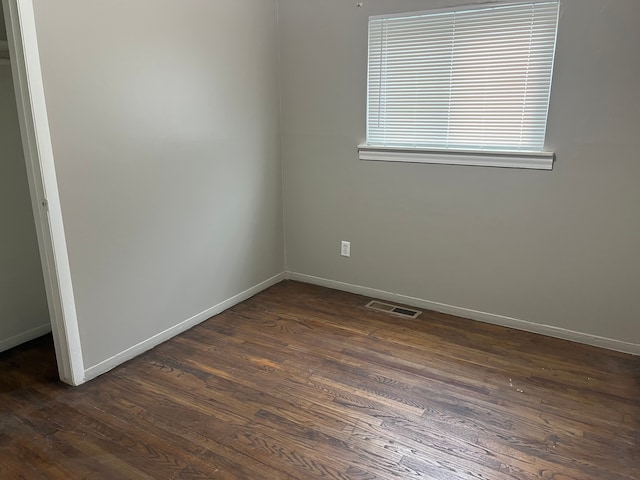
(24, 337)
(548, 330)
(161, 337)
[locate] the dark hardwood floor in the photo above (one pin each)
(304, 382)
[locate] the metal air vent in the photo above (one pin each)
(393, 309)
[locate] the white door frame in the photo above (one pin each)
(43, 186)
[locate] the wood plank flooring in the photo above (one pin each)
(302, 382)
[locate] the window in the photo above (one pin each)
(468, 85)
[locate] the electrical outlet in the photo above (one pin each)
(345, 249)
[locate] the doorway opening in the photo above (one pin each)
(22, 60)
(24, 314)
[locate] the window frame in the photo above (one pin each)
(538, 160)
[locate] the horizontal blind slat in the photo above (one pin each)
(478, 77)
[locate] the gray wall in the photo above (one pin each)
(23, 304)
(164, 121)
(164, 124)
(559, 248)
(3, 30)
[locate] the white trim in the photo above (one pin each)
(161, 337)
(548, 330)
(43, 185)
(479, 158)
(24, 337)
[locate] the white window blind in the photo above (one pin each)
(477, 78)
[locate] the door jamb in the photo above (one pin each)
(43, 187)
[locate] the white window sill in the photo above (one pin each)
(480, 158)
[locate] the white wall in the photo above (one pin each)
(556, 248)
(164, 125)
(23, 304)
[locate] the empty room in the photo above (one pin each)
(338, 239)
